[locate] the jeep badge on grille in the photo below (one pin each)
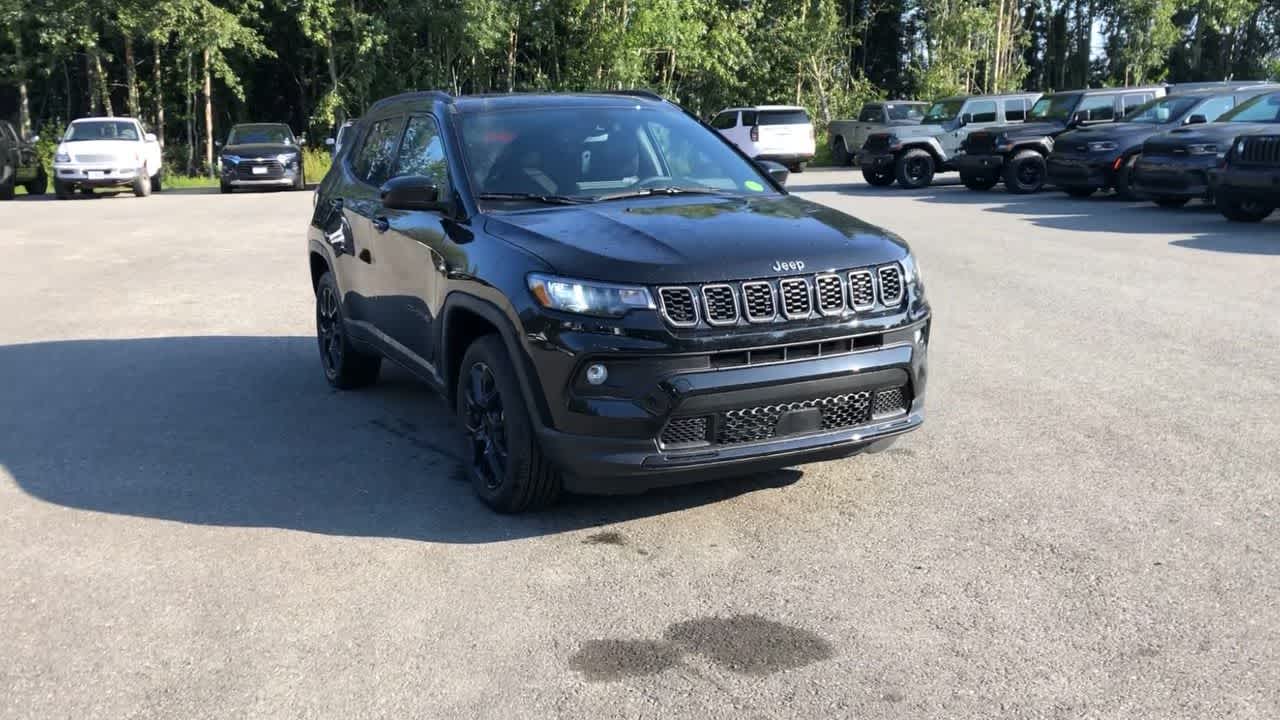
(790, 265)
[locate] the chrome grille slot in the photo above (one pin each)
(759, 301)
(92, 158)
(862, 291)
(830, 291)
(678, 306)
(754, 424)
(890, 284)
(721, 304)
(796, 302)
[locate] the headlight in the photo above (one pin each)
(911, 271)
(1206, 149)
(286, 158)
(231, 159)
(62, 157)
(1103, 146)
(1240, 147)
(589, 298)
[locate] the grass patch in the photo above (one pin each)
(180, 182)
(315, 163)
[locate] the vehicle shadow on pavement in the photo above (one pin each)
(244, 432)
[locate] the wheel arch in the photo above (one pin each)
(465, 318)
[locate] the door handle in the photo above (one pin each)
(381, 224)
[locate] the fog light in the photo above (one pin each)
(597, 374)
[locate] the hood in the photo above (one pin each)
(254, 150)
(917, 130)
(1028, 129)
(686, 240)
(1211, 133)
(117, 149)
(1123, 134)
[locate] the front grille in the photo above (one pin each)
(796, 302)
(244, 170)
(758, 301)
(720, 303)
(678, 306)
(877, 143)
(1261, 149)
(758, 423)
(830, 290)
(890, 284)
(1157, 150)
(980, 144)
(889, 403)
(685, 432)
(91, 158)
(862, 291)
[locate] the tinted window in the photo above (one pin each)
(1264, 108)
(422, 152)
(871, 113)
(1015, 110)
(905, 111)
(1129, 102)
(783, 117)
(748, 118)
(1214, 108)
(725, 120)
(270, 134)
(1163, 110)
(983, 111)
(1054, 107)
(1098, 107)
(373, 163)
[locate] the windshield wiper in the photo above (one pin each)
(668, 190)
(534, 197)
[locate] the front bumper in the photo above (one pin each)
(1077, 171)
(271, 182)
(877, 161)
(1160, 176)
(259, 172)
(94, 175)
(979, 165)
(788, 158)
(1261, 183)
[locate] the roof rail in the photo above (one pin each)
(640, 93)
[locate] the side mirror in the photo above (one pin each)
(329, 142)
(1197, 119)
(1079, 117)
(150, 137)
(777, 171)
(412, 192)
(965, 119)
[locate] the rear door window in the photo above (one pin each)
(1098, 108)
(783, 117)
(1015, 110)
(1129, 102)
(982, 112)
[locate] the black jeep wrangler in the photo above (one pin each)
(610, 295)
(19, 164)
(1247, 186)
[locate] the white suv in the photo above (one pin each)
(782, 133)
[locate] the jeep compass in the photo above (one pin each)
(609, 294)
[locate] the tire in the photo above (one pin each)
(345, 366)
(1024, 173)
(501, 455)
(1238, 210)
(914, 169)
(1171, 201)
(1124, 179)
(224, 188)
(878, 178)
(142, 185)
(40, 185)
(157, 181)
(7, 188)
(1080, 191)
(840, 153)
(980, 183)
(60, 190)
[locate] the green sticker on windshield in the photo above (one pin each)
(753, 185)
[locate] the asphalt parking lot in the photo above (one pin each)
(193, 525)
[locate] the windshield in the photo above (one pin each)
(1261, 109)
(266, 134)
(1161, 110)
(1054, 107)
(102, 130)
(944, 111)
(587, 153)
(902, 111)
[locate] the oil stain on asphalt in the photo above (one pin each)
(746, 644)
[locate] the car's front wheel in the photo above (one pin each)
(1241, 210)
(142, 184)
(501, 455)
(1025, 172)
(915, 169)
(346, 366)
(157, 181)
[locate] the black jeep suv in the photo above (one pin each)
(610, 295)
(1016, 153)
(1246, 188)
(19, 164)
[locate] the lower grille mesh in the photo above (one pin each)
(685, 431)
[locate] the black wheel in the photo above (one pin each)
(61, 190)
(1079, 191)
(840, 153)
(1240, 210)
(142, 185)
(1024, 173)
(978, 182)
(1124, 179)
(40, 185)
(878, 178)
(1171, 201)
(346, 366)
(915, 169)
(7, 189)
(157, 181)
(224, 188)
(501, 454)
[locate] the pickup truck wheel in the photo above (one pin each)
(978, 182)
(346, 367)
(142, 185)
(157, 181)
(501, 454)
(915, 169)
(60, 190)
(840, 153)
(1124, 179)
(1024, 173)
(1171, 201)
(40, 185)
(878, 178)
(1238, 210)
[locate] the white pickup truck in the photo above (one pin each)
(107, 152)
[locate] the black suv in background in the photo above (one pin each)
(1089, 159)
(262, 155)
(1016, 153)
(610, 294)
(1174, 167)
(19, 164)
(1247, 186)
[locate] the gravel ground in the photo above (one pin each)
(193, 525)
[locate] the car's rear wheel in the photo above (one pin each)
(840, 153)
(501, 455)
(142, 184)
(1241, 210)
(978, 182)
(1024, 173)
(1171, 201)
(878, 178)
(346, 366)
(915, 169)
(1080, 191)
(40, 184)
